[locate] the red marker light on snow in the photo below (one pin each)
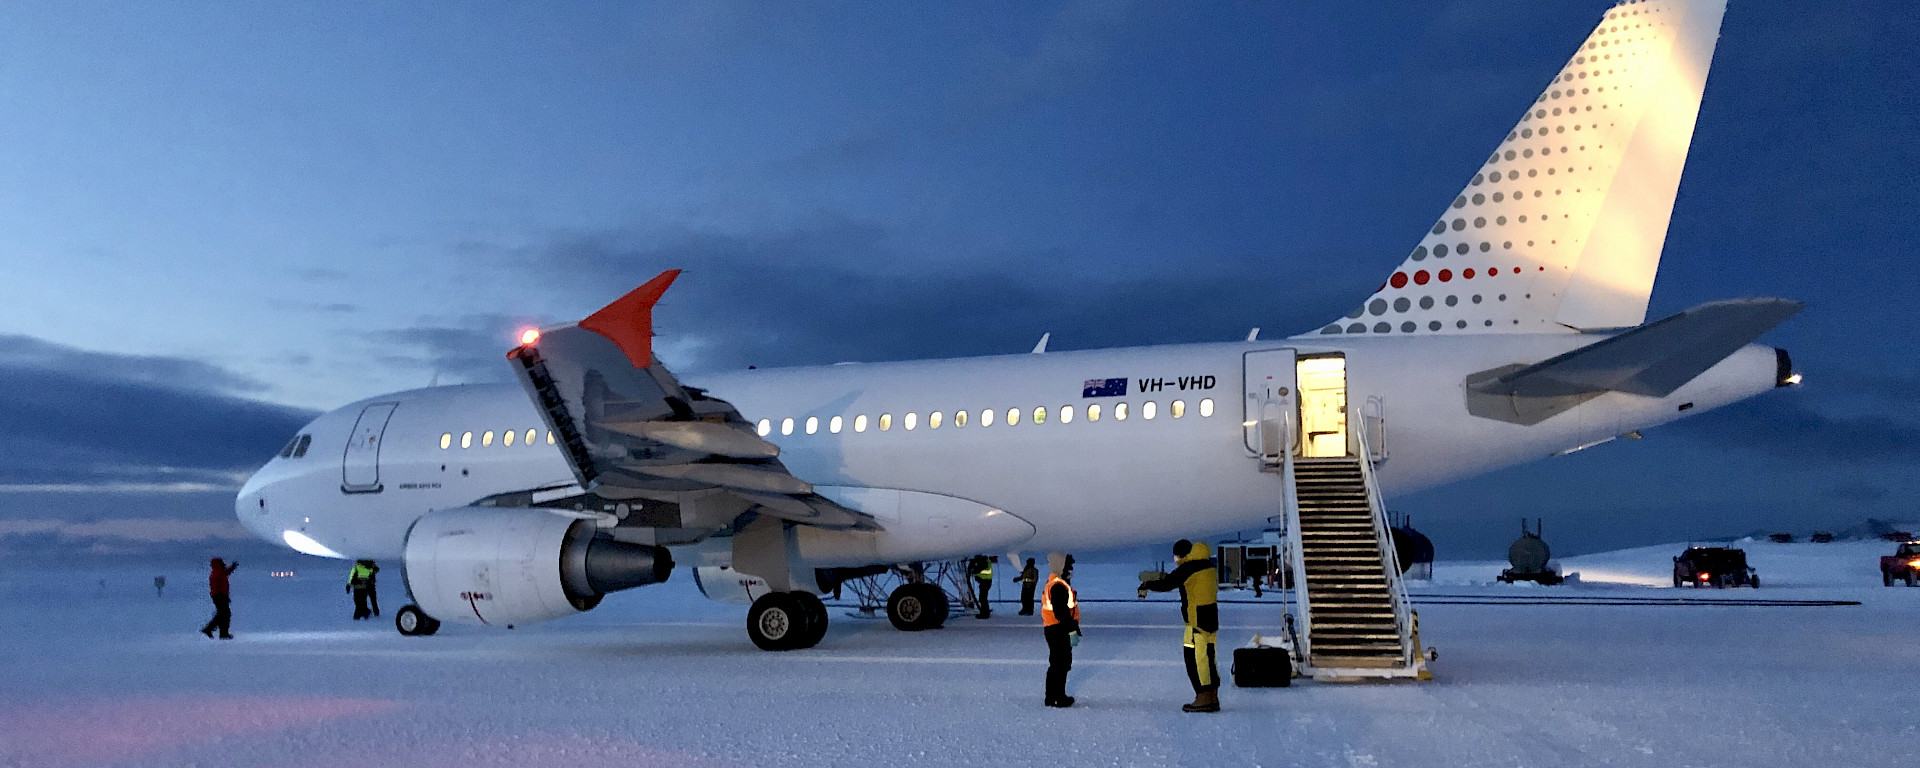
(529, 336)
(1703, 577)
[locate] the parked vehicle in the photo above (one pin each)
(1902, 565)
(1717, 567)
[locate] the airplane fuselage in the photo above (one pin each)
(1082, 484)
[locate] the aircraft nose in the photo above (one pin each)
(250, 506)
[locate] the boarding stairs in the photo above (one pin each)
(1350, 615)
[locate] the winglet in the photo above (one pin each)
(628, 321)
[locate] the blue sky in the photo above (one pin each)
(223, 218)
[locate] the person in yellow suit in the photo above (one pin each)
(1199, 584)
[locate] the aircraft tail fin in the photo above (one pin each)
(1562, 228)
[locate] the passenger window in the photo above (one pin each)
(1013, 416)
(786, 426)
(813, 424)
(860, 423)
(1178, 408)
(508, 436)
(446, 440)
(1206, 407)
(1147, 409)
(1093, 412)
(959, 419)
(549, 437)
(466, 439)
(886, 421)
(765, 428)
(486, 440)
(933, 420)
(833, 425)
(1040, 415)
(911, 421)
(1119, 411)
(301, 449)
(529, 439)
(1066, 414)
(986, 417)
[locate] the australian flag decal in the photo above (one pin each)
(1104, 388)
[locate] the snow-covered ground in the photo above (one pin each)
(659, 676)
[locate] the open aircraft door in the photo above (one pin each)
(1268, 405)
(360, 465)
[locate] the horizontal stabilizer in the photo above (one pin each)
(1652, 360)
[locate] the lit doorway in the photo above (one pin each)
(1323, 406)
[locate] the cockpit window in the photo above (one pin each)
(287, 452)
(301, 449)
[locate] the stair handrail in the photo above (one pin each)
(1373, 417)
(1390, 558)
(1298, 604)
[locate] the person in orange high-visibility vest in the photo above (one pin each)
(1060, 620)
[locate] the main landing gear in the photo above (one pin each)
(413, 622)
(915, 606)
(786, 621)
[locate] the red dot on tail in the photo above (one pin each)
(1420, 277)
(1399, 280)
(1446, 275)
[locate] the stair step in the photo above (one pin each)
(1330, 662)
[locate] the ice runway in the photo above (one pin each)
(658, 676)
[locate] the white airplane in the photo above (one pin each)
(1515, 330)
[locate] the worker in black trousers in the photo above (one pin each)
(222, 599)
(982, 568)
(1060, 620)
(1029, 580)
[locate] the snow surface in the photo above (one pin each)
(659, 676)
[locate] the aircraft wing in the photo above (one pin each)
(630, 430)
(1653, 360)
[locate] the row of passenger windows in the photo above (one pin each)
(986, 417)
(507, 437)
(908, 421)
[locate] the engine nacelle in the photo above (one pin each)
(504, 567)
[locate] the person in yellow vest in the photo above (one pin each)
(982, 569)
(1060, 620)
(1199, 584)
(360, 583)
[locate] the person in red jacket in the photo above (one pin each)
(217, 588)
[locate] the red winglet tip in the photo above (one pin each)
(628, 321)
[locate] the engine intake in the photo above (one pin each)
(499, 566)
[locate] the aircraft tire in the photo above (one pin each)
(413, 622)
(914, 607)
(776, 622)
(815, 613)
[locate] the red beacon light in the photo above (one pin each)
(529, 336)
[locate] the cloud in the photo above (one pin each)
(470, 349)
(1788, 428)
(28, 356)
(79, 420)
(840, 290)
(1077, 44)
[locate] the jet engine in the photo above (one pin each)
(504, 567)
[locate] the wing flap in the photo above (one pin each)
(628, 427)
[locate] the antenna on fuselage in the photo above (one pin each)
(1041, 348)
(1253, 335)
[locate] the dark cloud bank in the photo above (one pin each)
(157, 443)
